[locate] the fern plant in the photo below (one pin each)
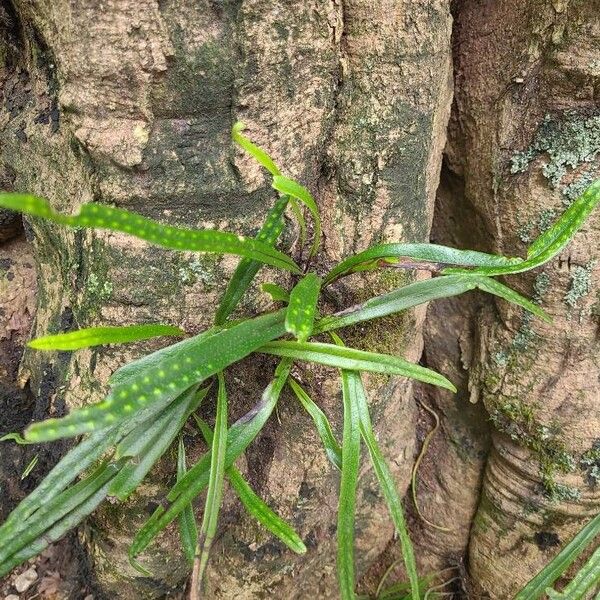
(153, 397)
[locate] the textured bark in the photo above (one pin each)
(526, 137)
(131, 103)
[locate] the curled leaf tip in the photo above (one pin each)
(237, 127)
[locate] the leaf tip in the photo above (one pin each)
(237, 128)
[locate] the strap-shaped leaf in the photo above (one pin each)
(188, 530)
(332, 448)
(100, 216)
(348, 484)
(97, 336)
(553, 240)
(77, 460)
(355, 360)
(561, 562)
(214, 495)
(391, 254)
(247, 269)
(397, 300)
(487, 284)
(258, 509)
(302, 307)
(139, 438)
(162, 376)
(584, 579)
(56, 529)
(295, 190)
(257, 153)
(239, 436)
(571, 220)
(418, 293)
(55, 510)
(277, 293)
(154, 439)
(385, 478)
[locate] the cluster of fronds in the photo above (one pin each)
(152, 398)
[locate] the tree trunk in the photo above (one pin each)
(131, 103)
(526, 143)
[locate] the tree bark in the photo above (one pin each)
(525, 143)
(131, 103)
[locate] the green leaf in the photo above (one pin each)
(393, 254)
(100, 216)
(216, 479)
(153, 439)
(492, 286)
(299, 216)
(332, 448)
(398, 300)
(257, 153)
(77, 460)
(140, 437)
(32, 463)
(354, 360)
(385, 478)
(54, 510)
(567, 225)
(552, 241)
(247, 269)
(348, 484)
(54, 526)
(239, 437)
(258, 509)
(295, 190)
(301, 310)
(188, 531)
(277, 293)
(97, 336)
(158, 378)
(561, 562)
(584, 579)
(418, 293)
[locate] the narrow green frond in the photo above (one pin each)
(486, 284)
(214, 494)
(583, 581)
(353, 385)
(154, 440)
(100, 216)
(247, 269)
(398, 300)
(299, 216)
(395, 254)
(54, 527)
(239, 437)
(354, 360)
(561, 562)
(98, 336)
(295, 190)
(348, 485)
(552, 241)
(332, 448)
(257, 153)
(158, 378)
(302, 307)
(51, 512)
(188, 530)
(277, 293)
(76, 461)
(258, 509)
